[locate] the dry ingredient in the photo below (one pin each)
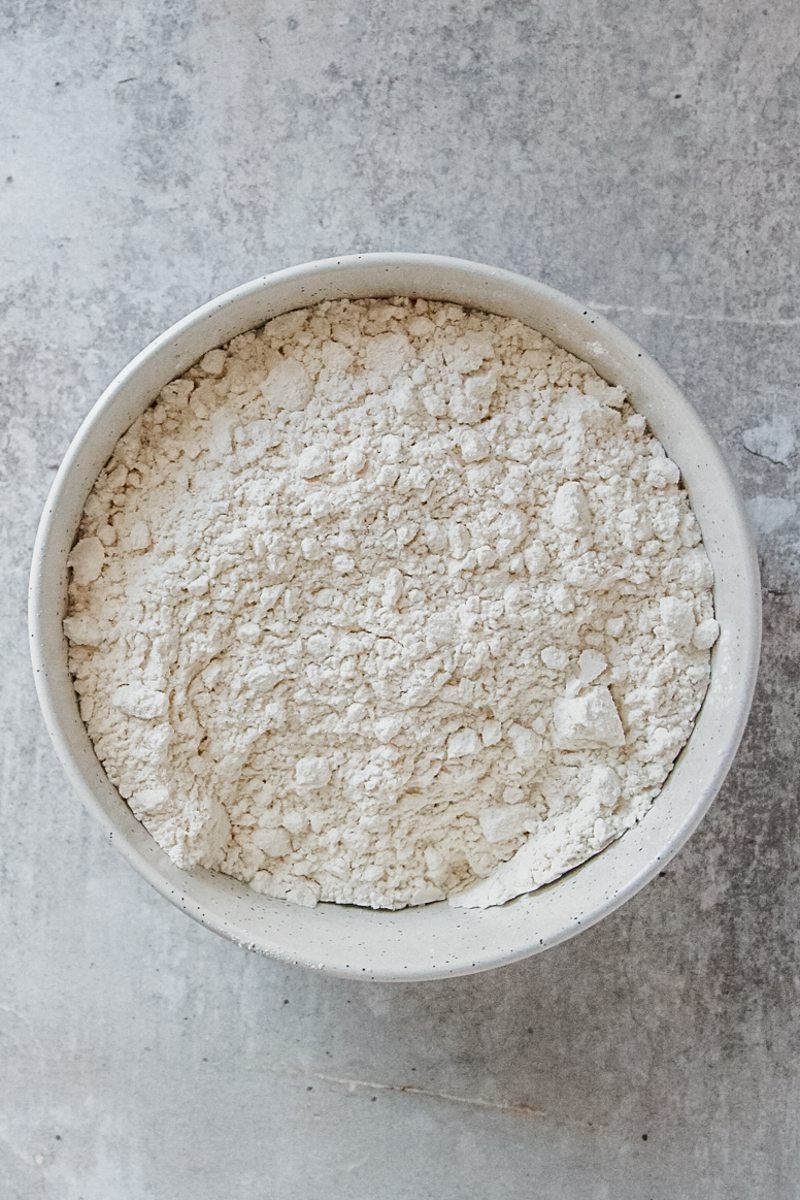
(388, 602)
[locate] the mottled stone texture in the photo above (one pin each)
(642, 157)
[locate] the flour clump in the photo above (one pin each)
(389, 602)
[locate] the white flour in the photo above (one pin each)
(386, 600)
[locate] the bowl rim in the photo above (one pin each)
(56, 722)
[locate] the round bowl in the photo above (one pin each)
(436, 940)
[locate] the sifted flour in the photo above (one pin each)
(389, 602)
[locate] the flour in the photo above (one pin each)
(389, 602)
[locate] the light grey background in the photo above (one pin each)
(639, 156)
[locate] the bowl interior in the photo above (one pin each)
(437, 939)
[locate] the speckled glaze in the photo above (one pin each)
(436, 940)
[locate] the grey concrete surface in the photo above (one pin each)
(642, 157)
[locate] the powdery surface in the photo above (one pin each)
(388, 602)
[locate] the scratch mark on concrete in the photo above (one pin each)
(366, 1085)
(649, 310)
(16, 1153)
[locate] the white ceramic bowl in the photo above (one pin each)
(435, 940)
